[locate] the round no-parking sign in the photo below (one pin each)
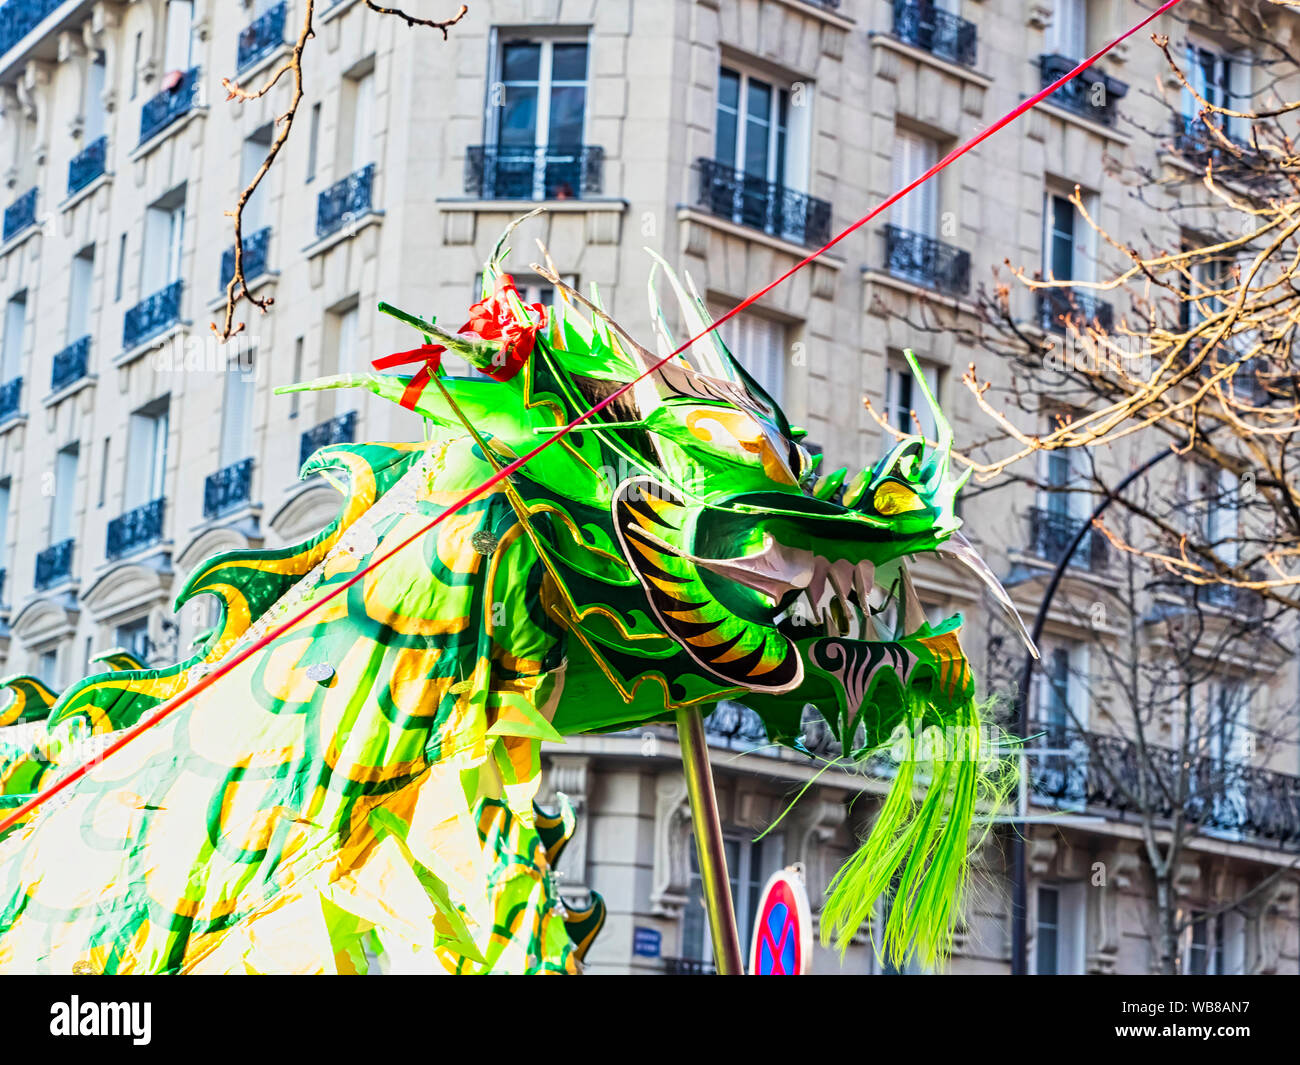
(782, 944)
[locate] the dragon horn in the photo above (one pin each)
(479, 353)
(943, 451)
(389, 386)
(500, 252)
(696, 322)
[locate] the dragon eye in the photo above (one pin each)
(894, 498)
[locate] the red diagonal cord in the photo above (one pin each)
(226, 666)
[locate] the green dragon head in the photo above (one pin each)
(695, 554)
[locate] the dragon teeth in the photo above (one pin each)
(913, 613)
(864, 576)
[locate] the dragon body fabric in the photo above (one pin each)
(359, 790)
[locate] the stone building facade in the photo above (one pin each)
(731, 136)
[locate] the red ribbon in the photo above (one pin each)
(492, 319)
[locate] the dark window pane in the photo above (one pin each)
(724, 148)
(756, 148)
(568, 106)
(519, 117)
(758, 100)
(569, 62)
(729, 89)
(521, 61)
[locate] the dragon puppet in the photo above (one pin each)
(355, 789)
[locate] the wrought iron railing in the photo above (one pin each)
(338, 430)
(761, 204)
(1216, 794)
(558, 172)
(688, 967)
(70, 364)
(228, 488)
(54, 564)
(20, 214)
(1200, 145)
(927, 261)
(135, 529)
(152, 315)
(175, 100)
(256, 246)
(19, 17)
(939, 32)
(1050, 534)
(1224, 596)
(1057, 306)
(1091, 94)
(88, 164)
(345, 201)
(11, 397)
(261, 37)
(736, 726)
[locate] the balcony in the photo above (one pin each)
(1218, 794)
(1200, 145)
(1050, 534)
(338, 430)
(345, 201)
(19, 17)
(87, 165)
(260, 37)
(940, 33)
(135, 529)
(255, 251)
(1225, 597)
(926, 261)
(20, 214)
(1092, 94)
(504, 172)
(228, 488)
(760, 204)
(70, 364)
(11, 397)
(54, 564)
(1059, 306)
(176, 99)
(689, 967)
(152, 316)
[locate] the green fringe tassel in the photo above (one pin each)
(918, 852)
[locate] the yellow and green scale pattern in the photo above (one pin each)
(356, 796)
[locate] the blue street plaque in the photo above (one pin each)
(646, 942)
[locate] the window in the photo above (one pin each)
(346, 354)
(759, 344)
(1067, 33)
(237, 413)
(918, 211)
(356, 128)
(47, 668)
(147, 465)
(752, 132)
(178, 45)
(93, 106)
(136, 62)
(83, 273)
(313, 142)
(543, 94)
(1067, 241)
(133, 636)
(297, 376)
(103, 471)
(164, 237)
(1062, 696)
(252, 156)
(1058, 936)
(1214, 945)
(1222, 79)
(536, 120)
(11, 359)
(4, 527)
(749, 864)
(1215, 493)
(121, 269)
(63, 502)
(902, 397)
